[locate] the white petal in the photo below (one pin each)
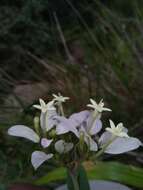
(54, 95)
(45, 142)
(63, 147)
(112, 124)
(68, 147)
(91, 106)
(25, 132)
(59, 146)
(42, 103)
(123, 134)
(109, 129)
(106, 109)
(50, 106)
(37, 106)
(121, 145)
(120, 125)
(93, 102)
(38, 157)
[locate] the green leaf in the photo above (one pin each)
(55, 175)
(81, 177)
(126, 174)
(69, 181)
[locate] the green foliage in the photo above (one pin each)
(126, 174)
(81, 177)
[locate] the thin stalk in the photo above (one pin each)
(75, 181)
(105, 146)
(61, 109)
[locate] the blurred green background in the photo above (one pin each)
(83, 49)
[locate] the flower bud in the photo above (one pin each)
(36, 124)
(81, 141)
(52, 133)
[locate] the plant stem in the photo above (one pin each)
(61, 109)
(104, 147)
(74, 181)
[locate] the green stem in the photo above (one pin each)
(75, 181)
(61, 109)
(105, 146)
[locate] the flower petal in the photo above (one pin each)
(90, 142)
(45, 142)
(96, 127)
(42, 103)
(25, 132)
(112, 125)
(38, 157)
(47, 120)
(68, 147)
(62, 128)
(59, 146)
(106, 109)
(105, 138)
(78, 118)
(121, 145)
(59, 118)
(66, 126)
(37, 107)
(63, 147)
(93, 145)
(50, 121)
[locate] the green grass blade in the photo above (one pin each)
(126, 174)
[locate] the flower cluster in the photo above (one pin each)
(75, 138)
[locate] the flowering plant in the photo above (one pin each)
(72, 140)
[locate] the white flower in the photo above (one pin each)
(119, 145)
(118, 130)
(45, 107)
(98, 107)
(59, 98)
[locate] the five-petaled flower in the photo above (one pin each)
(98, 107)
(45, 107)
(118, 130)
(59, 98)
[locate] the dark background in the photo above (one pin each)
(84, 48)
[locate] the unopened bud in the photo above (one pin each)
(36, 124)
(52, 133)
(81, 141)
